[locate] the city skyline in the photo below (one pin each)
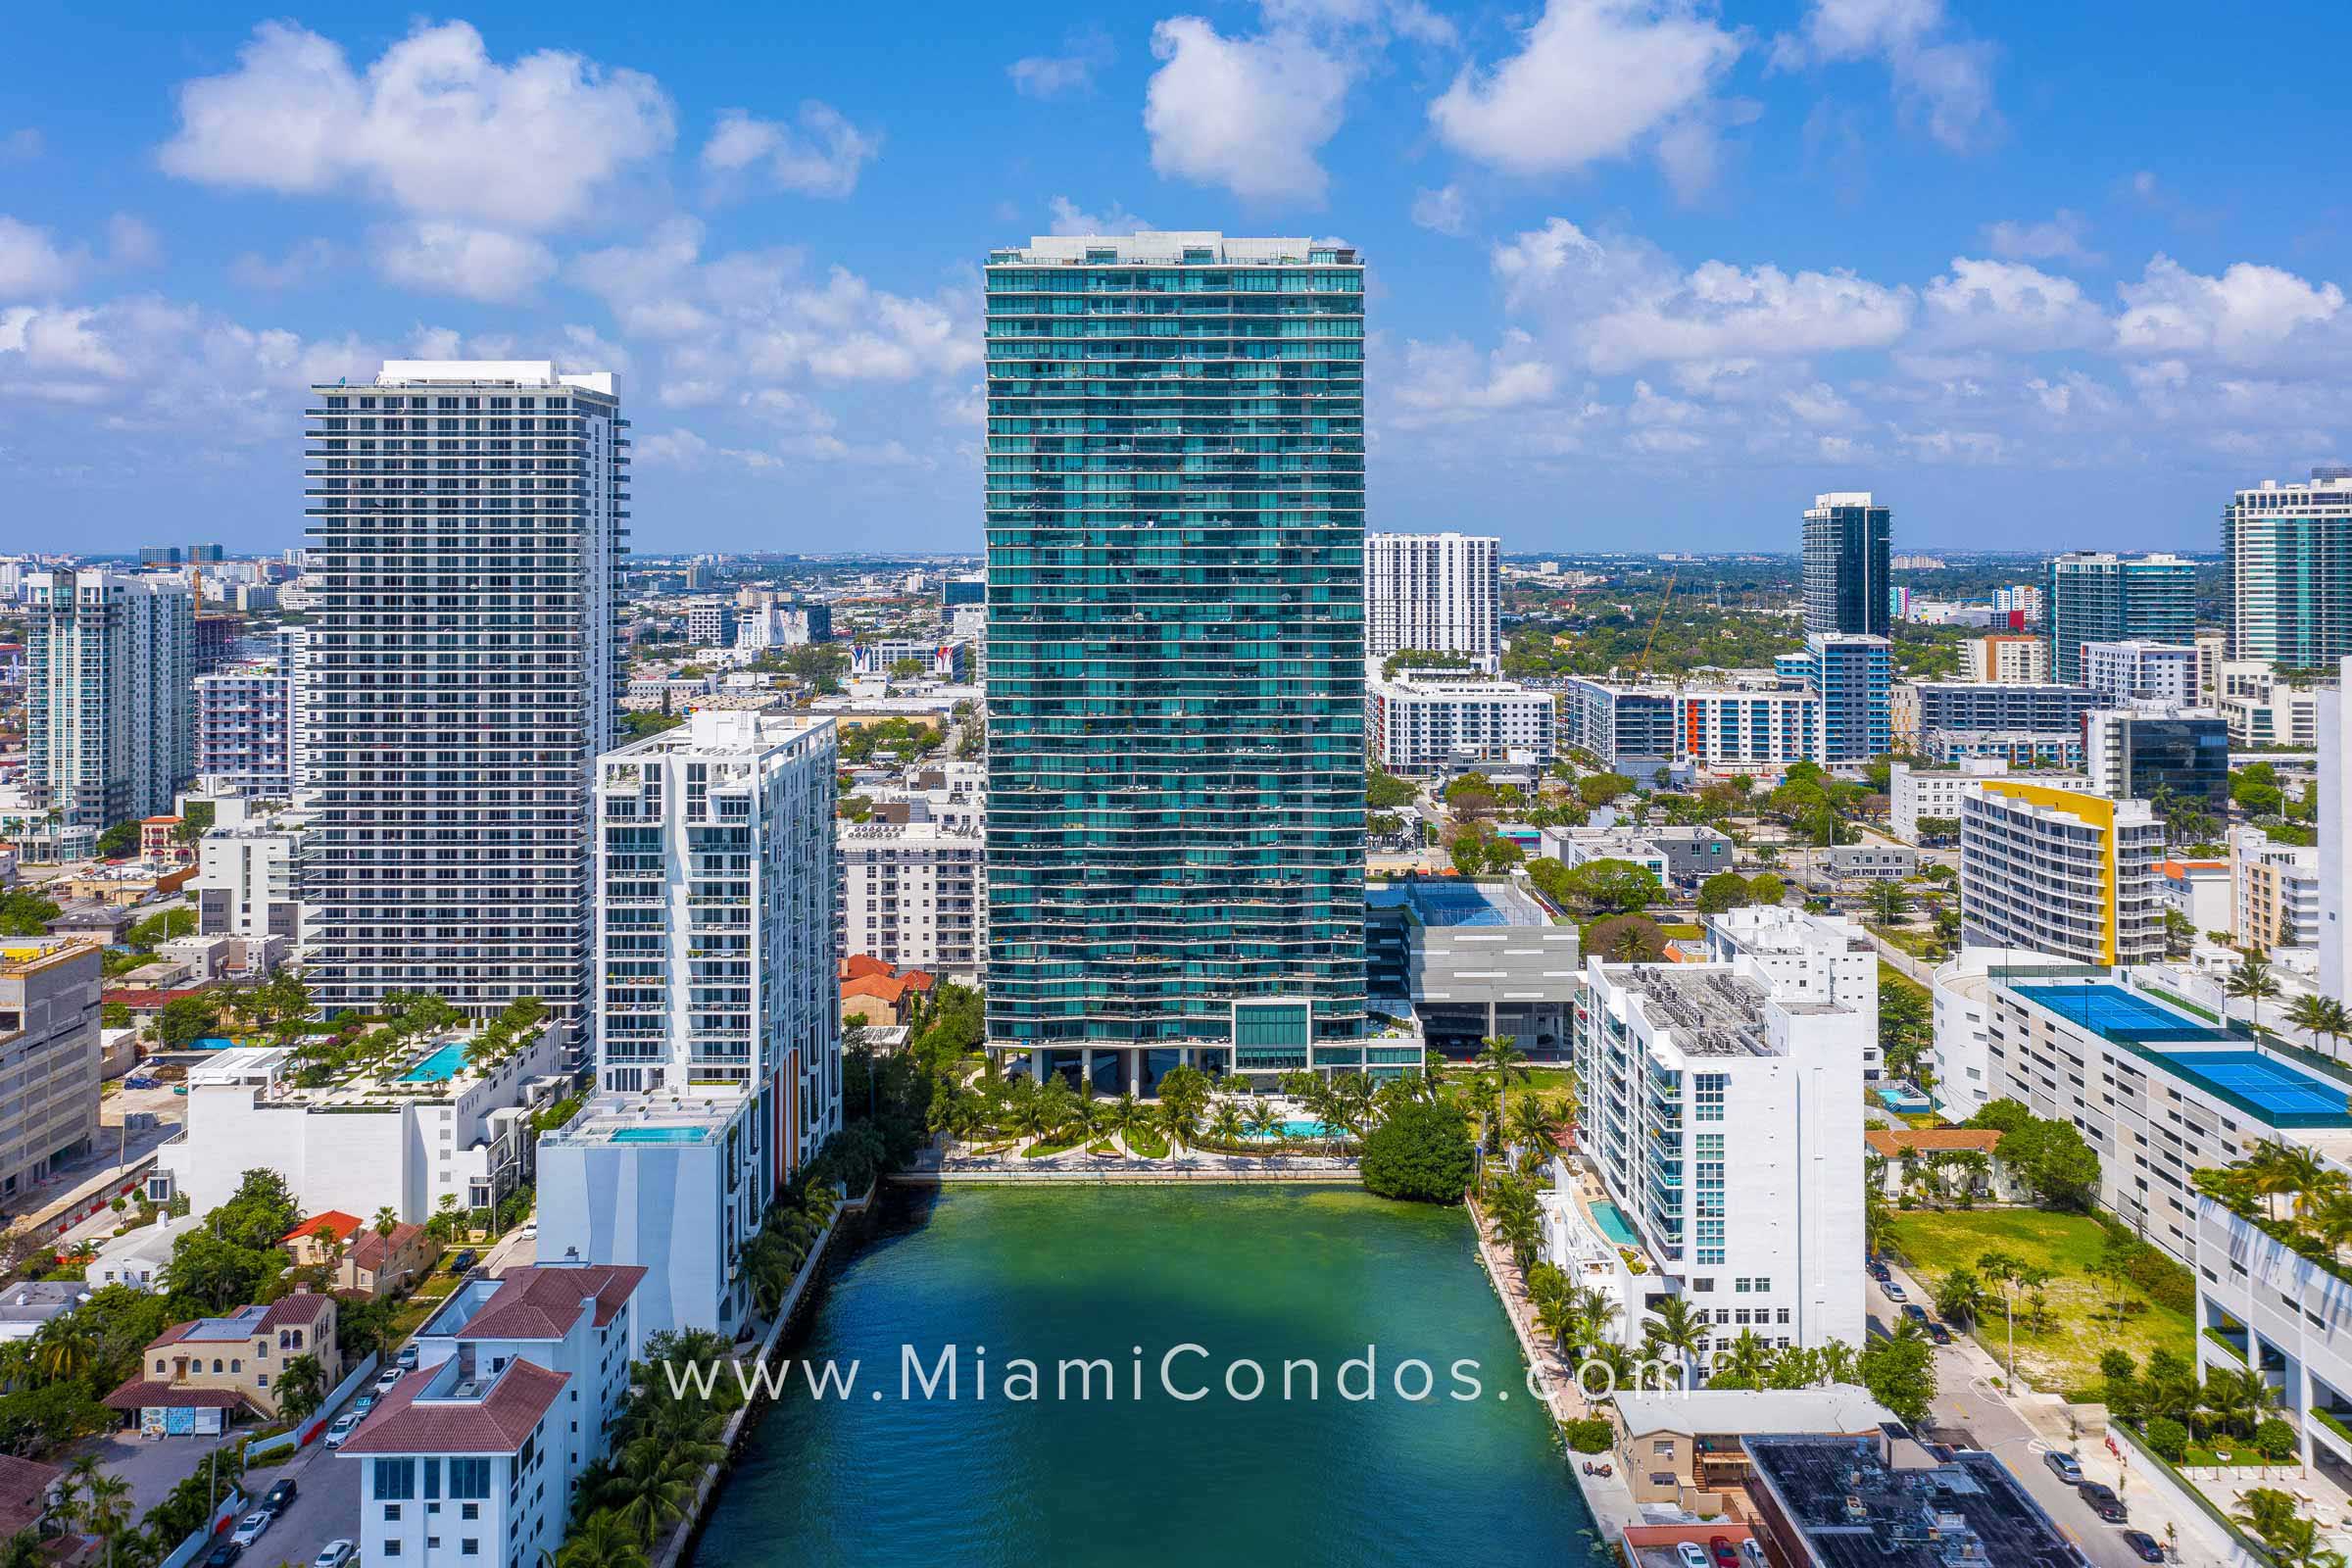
(1759, 258)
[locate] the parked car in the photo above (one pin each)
(1891, 1290)
(406, 1360)
(343, 1428)
(251, 1528)
(1940, 1334)
(1916, 1313)
(1720, 1548)
(224, 1555)
(463, 1261)
(334, 1554)
(2145, 1546)
(2065, 1466)
(1692, 1554)
(389, 1379)
(1877, 1269)
(527, 1231)
(2103, 1501)
(364, 1404)
(281, 1496)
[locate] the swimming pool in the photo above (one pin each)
(1302, 1130)
(1614, 1223)
(439, 1067)
(660, 1134)
(2276, 1092)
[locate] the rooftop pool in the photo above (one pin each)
(660, 1134)
(438, 1069)
(1614, 1223)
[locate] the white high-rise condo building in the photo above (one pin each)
(2166, 671)
(2287, 550)
(463, 677)
(717, 1015)
(1436, 593)
(1427, 724)
(2335, 821)
(1697, 1072)
(110, 714)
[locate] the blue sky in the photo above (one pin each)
(1646, 273)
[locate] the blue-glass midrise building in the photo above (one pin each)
(1175, 632)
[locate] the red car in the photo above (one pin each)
(1720, 1548)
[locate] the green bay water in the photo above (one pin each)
(1265, 1273)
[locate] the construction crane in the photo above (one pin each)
(1658, 620)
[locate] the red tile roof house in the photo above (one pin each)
(377, 1264)
(28, 1493)
(322, 1238)
(223, 1364)
(473, 1455)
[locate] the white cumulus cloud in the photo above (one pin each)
(1249, 114)
(1944, 77)
(1591, 80)
(822, 154)
(433, 125)
(30, 261)
(438, 256)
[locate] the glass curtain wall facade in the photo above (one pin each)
(2102, 598)
(2288, 552)
(1176, 640)
(1846, 539)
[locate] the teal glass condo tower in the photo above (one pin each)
(1175, 655)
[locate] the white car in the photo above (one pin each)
(390, 1376)
(1693, 1554)
(249, 1527)
(334, 1554)
(343, 1428)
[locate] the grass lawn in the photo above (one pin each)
(1042, 1147)
(2066, 1355)
(1544, 1080)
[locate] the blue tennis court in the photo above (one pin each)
(2274, 1088)
(2108, 1007)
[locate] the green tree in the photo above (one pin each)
(1625, 939)
(1420, 1152)
(300, 1386)
(24, 914)
(2253, 983)
(1614, 884)
(1725, 890)
(1599, 789)
(1500, 1056)
(1766, 888)
(119, 842)
(1385, 792)
(1900, 1373)
(183, 1020)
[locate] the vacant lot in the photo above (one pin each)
(2064, 1355)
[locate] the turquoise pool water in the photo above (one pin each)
(1302, 1129)
(1614, 1225)
(660, 1134)
(439, 1067)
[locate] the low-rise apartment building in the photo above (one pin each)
(2263, 707)
(471, 1459)
(1424, 724)
(400, 1133)
(1917, 793)
(2276, 891)
(248, 871)
(2137, 669)
(2059, 871)
(197, 1375)
(2007, 658)
(1626, 728)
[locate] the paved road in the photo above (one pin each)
(1967, 1402)
(326, 1507)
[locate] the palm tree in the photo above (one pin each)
(1674, 1324)
(1179, 1119)
(63, 1348)
(651, 1484)
(1959, 1297)
(1264, 1120)
(1533, 1123)
(2314, 1014)
(602, 1541)
(2253, 981)
(1121, 1118)
(2010, 1274)
(105, 1506)
(1744, 1363)
(1225, 1123)
(1500, 1056)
